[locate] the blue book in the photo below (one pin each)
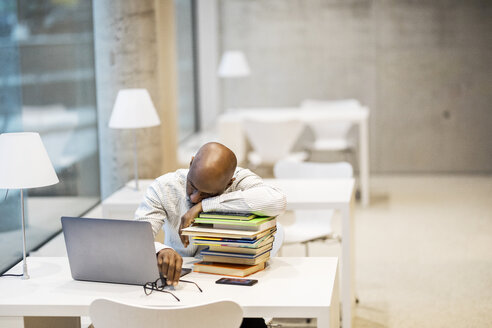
(226, 254)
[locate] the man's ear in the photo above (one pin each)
(191, 161)
(230, 182)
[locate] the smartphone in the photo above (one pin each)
(237, 281)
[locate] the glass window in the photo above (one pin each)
(187, 98)
(47, 86)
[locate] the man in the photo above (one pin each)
(212, 183)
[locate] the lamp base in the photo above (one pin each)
(25, 276)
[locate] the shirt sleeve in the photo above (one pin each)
(160, 246)
(151, 210)
(248, 193)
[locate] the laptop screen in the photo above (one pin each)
(107, 250)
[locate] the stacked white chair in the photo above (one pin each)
(330, 135)
(306, 226)
(272, 140)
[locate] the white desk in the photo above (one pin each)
(232, 135)
(301, 194)
(288, 288)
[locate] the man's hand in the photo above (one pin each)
(169, 263)
(187, 219)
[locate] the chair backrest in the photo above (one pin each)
(106, 313)
(312, 170)
(272, 139)
(328, 129)
(279, 240)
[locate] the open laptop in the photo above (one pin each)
(107, 250)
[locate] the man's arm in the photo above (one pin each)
(248, 193)
(151, 210)
(187, 219)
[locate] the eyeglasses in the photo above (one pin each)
(160, 284)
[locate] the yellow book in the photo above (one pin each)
(196, 230)
(267, 239)
(226, 269)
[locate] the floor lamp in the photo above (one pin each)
(24, 164)
(133, 109)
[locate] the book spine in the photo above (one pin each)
(241, 250)
(231, 254)
(239, 274)
(222, 259)
(236, 227)
(233, 218)
(218, 234)
(260, 227)
(236, 260)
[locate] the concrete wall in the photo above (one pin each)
(423, 67)
(208, 58)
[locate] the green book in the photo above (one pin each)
(256, 224)
(242, 216)
(253, 222)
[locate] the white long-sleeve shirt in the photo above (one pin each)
(166, 202)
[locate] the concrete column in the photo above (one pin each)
(128, 55)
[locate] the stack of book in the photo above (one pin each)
(238, 244)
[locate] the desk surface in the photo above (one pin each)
(289, 287)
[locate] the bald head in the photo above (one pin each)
(211, 171)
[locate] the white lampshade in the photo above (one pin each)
(133, 109)
(233, 64)
(24, 162)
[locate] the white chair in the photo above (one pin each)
(272, 140)
(107, 313)
(330, 135)
(305, 226)
(278, 241)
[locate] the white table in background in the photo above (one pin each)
(287, 288)
(123, 203)
(232, 134)
(335, 194)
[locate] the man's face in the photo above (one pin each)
(198, 189)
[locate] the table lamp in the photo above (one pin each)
(24, 164)
(233, 64)
(133, 109)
